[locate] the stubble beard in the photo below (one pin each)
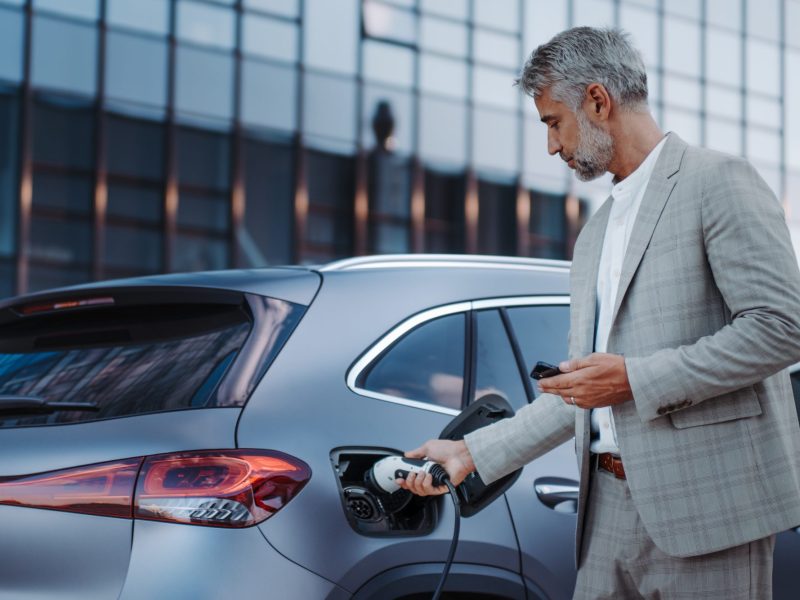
(594, 151)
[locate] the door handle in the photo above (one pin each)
(557, 493)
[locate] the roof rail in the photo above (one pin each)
(382, 261)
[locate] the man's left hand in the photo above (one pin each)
(594, 381)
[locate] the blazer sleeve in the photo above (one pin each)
(507, 445)
(754, 266)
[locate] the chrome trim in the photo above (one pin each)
(443, 260)
(428, 315)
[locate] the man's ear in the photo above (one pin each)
(597, 102)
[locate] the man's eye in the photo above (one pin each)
(553, 125)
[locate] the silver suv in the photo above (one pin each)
(207, 435)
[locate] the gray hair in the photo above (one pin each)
(580, 56)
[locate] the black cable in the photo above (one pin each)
(456, 528)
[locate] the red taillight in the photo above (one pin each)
(226, 488)
(104, 489)
(222, 488)
(32, 309)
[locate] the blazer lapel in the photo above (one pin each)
(658, 190)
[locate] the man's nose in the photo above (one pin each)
(553, 145)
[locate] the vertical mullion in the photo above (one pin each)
(25, 181)
(417, 200)
(300, 185)
(101, 175)
(361, 199)
(238, 193)
(522, 209)
(703, 72)
(783, 196)
(170, 208)
(471, 201)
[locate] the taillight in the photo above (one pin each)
(104, 489)
(227, 488)
(222, 488)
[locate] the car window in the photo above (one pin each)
(496, 369)
(427, 364)
(796, 390)
(132, 360)
(541, 333)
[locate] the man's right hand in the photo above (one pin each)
(453, 456)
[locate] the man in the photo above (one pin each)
(685, 311)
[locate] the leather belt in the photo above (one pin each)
(612, 464)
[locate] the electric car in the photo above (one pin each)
(210, 435)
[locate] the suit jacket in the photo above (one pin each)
(707, 316)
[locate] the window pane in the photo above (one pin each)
(82, 9)
(548, 226)
(679, 91)
(204, 211)
(763, 67)
(763, 111)
(136, 69)
(145, 15)
(205, 24)
(443, 36)
(389, 188)
(387, 22)
(723, 57)
(11, 36)
(269, 95)
(42, 277)
(763, 19)
(132, 201)
(681, 46)
(723, 102)
(199, 253)
(456, 9)
(543, 21)
(132, 248)
(725, 13)
(496, 49)
(329, 107)
(269, 203)
(594, 13)
(685, 123)
(500, 14)
(60, 240)
(395, 108)
(792, 99)
(496, 365)
(331, 34)
(331, 190)
(63, 191)
(443, 76)
(9, 162)
(74, 145)
(203, 159)
(495, 142)
(792, 23)
(286, 8)
(270, 38)
(497, 219)
(495, 88)
(64, 55)
(135, 148)
(444, 211)
(204, 82)
(686, 8)
(541, 333)
(763, 145)
(8, 282)
(426, 365)
(642, 24)
(442, 131)
(388, 63)
(725, 136)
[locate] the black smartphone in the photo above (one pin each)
(543, 369)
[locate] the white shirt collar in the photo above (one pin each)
(628, 187)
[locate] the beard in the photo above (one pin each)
(594, 151)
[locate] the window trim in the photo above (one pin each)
(377, 349)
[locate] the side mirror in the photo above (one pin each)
(474, 494)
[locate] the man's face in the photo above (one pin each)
(583, 145)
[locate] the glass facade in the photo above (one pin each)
(173, 135)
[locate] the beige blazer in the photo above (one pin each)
(708, 317)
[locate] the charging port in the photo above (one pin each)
(371, 513)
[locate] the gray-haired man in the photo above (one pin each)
(688, 445)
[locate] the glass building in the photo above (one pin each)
(144, 136)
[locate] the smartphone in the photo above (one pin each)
(543, 369)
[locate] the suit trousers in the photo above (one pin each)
(619, 559)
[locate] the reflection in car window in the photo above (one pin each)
(496, 367)
(426, 365)
(541, 333)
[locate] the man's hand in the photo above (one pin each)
(594, 381)
(453, 456)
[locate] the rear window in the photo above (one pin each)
(128, 360)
